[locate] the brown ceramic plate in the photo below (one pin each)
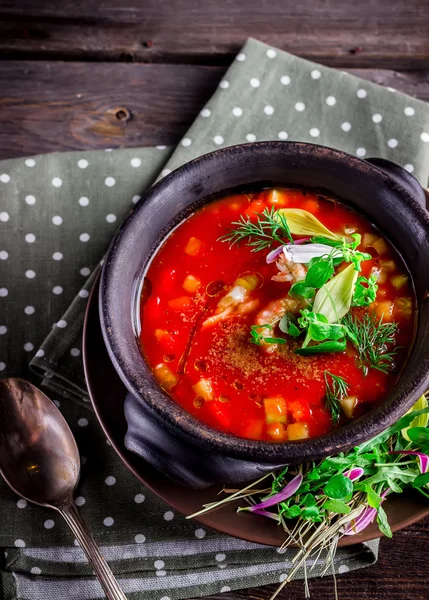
(107, 394)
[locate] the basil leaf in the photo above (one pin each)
(338, 487)
(338, 346)
(319, 273)
(300, 288)
(336, 506)
(293, 330)
(274, 340)
(421, 480)
(383, 523)
(365, 291)
(319, 331)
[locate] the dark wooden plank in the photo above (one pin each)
(399, 574)
(54, 106)
(369, 33)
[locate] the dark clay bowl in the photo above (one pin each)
(159, 429)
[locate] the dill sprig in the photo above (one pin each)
(271, 226)
(336, 388)
(374, 341)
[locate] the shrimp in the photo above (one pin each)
(236, 301)
(289, 270)
(272, 314)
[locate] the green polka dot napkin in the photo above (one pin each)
(58, 213)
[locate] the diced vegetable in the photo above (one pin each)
(404, 306)
(278, 198)
(191, 284)
(368, 239)
(383, 310)
(297, 431)
(161, 334)
(381, 274)
(380, 245)
(193, 246)
(276, 431)
(204, 389)
(388, 265)
(250, 281)
(301, 222)
(275, 410)
(348, 404)
(253, 429)
(220, 413)
(398, 281)
(179, 303)
(165, 377)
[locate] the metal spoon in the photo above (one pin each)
(40, 461)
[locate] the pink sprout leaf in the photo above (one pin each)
(423, 459)
(289, 490)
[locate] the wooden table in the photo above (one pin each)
(84, 74)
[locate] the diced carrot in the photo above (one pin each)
(278, 198)
(193, 246)
(179, 303)
(310, 205)
(297, 431)
(253, 430)
(165, 377)
(220, 414)
(299, 410)
(255, 207)
(191, 284)
(383, 309)
(204, 389)
(161, 334)
(275, 410)
(276, 431)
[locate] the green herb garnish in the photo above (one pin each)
(336, 389)
(374, 340)
(258, 338)
(271, 226)
(365, 291)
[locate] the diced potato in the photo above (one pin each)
(204, 389)
(193, 246)
(383, 309)
(381, 274)
(276, 431)
(179, 303)
(165, 377)
(250, 281)
(380, 245)
(388, 265)
(253, 430)
(275, 410)
(398, 281)
(349, 229)
(404, 306)
(191, 284)
(368, 239)
(348, 405)
(297, 431)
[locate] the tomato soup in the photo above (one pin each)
(276, 332)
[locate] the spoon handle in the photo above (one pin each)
(97, 561)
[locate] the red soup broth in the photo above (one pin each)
(210, 367)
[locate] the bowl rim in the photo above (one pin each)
(186, 425)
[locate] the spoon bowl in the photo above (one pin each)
(39, 460)
(39, 457)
